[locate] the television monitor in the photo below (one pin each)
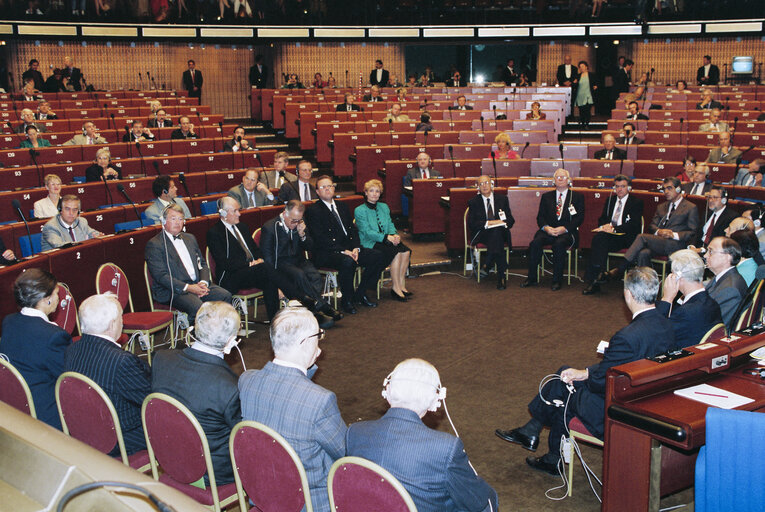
(742, 66)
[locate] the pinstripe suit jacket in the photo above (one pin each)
(304, 413)
(431, 465)
(124, 378)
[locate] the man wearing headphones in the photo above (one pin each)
(423, 171)
(89, 135)
(696, 313)
(581, 393)
(160, 120)
(138, 133)
(279, 175)
(674, 226)
(618, 225)
(166, 193)
(719, 215)
(283, 397)
(301, 189)
(751, 175)
(67, 227)
(431, 465)
(251, 193)
(489, 220)
(561, 212)
(725, 153)
(179, 268)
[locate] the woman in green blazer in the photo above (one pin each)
(376, 231)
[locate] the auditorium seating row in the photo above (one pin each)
(111, 94)
(163, 145)
(96, 102)
(691, 114)
(73, 118)
(755, 138)
(147, 168)
(669, 125)
(77, 265)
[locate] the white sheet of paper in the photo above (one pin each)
(714, 396)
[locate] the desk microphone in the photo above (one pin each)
(560, 149)
(481, 124)
(108, 192)
(265, 173)
(494, 164)
(122, 190)
(494, 108)
(524, 149)
(33, 154)
(182, 180)
(143, 163)
(17, 207)
(451, 156)
(202, 126)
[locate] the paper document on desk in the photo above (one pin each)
(713, 396)
(499, 224)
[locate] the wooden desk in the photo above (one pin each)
(652, 436)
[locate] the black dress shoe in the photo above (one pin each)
(407, 294)
(331, 312)
(364, 301)
(396, 296)
(612, 275)
(324, 321)
(555, 287)
(529, 282)
(501, 284)
(349, 308)
(540, 464)
(518, 437)
(591, 289)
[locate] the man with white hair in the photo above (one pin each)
(282, 396)
(200, 379)
(581, 393)
(431, 465)
(696, 312)
(27, 119)
(124, 377)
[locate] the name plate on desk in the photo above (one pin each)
(670, 356)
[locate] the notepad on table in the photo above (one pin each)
(713, 396)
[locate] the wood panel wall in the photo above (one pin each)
(551, 56)
(306, 59)
(117, 65)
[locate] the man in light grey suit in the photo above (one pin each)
(424, 170)
(89, 135)
(725, 153)
(178, 267)
(166, 194)
(674, 226)
(67, 226)
(251, 193)
(282, 396)
(279, 176)
(431, 465)
(751, 175)
(727, 288)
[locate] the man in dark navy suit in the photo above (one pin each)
(431, 465)
(561, 212)
(200, 379)
(696, 312)
(337, 245)
(124, 377)
(489, 221)
(618, 225)
(649, 333)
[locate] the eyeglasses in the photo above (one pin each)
(319, 334)
(327, 187)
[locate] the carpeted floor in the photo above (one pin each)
(491, 348)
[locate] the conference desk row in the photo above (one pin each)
(652, 435)
(75, 115)
(709, 139)
(670, 92)
(110, 94)
(691, 114)
(431, 204)
(674, 125)
(94, 195)
(76, 266)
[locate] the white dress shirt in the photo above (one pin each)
(183, 253)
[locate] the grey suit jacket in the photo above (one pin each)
(728, 292)
(81, 140)
(687, 187)
(154, 211)
(240, 194)
(54, 234)
(167, 269)
(269, 178)
(304, 413)
(416, 174)
(721, 127)
(742, 178)
(716, 156)
(684, 221)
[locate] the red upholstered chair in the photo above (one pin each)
(87, 414)
(111, 278)
(65, 315)
(578, 432)
(156, 306)
(267, 470)
(14, 390)
(358, 484)
(478, 249)
(177, 444)
(244, 295)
